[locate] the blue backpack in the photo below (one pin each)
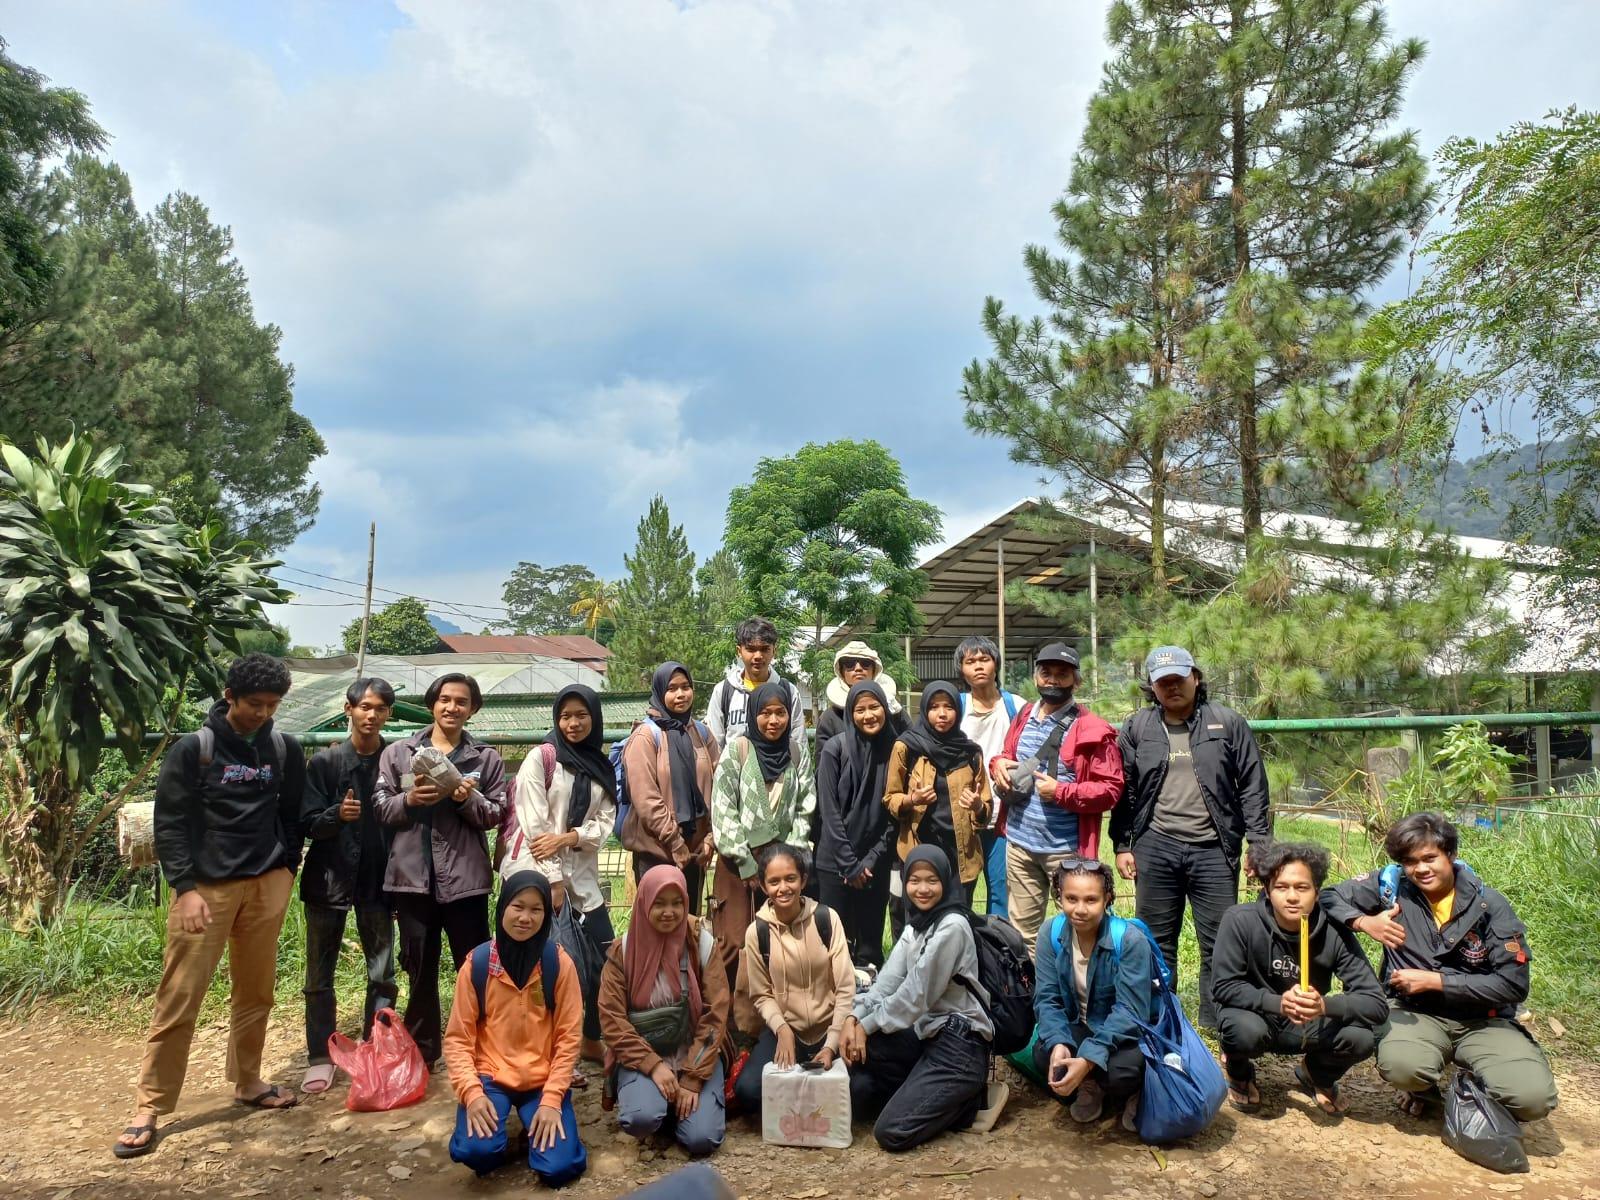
(1183, 1086)
(1006, 698)
(549, 969)
(1389, 881)
(624, 801)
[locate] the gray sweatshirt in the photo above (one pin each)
(917, 987)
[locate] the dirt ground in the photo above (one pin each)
(66, 1091)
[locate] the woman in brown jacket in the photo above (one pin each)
(668, 761)
(937, 789)
(664, 1013)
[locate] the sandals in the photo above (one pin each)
(1241, 1088)
(1415, 1104)
(122, 1150)
(318, 1079)
(263, 1099)
(1329, 1106)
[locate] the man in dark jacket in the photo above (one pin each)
(1195, 790)
(1455, 964)
(227, 833)
(344, 868)
(1256, 976)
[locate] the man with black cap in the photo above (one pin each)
(1196, 790)
(1059, 771)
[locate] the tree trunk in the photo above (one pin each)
(1249, 446)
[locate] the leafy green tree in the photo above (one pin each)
(720, 603)
(540, 599)
(1508, 320)
(37, 123)
(401, 627)
(829, 536)
(108, 605)
(154, 345)
(656, 609)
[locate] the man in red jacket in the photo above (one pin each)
(1059, 771)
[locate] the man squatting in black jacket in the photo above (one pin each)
(1255, 981)
(227, 836)
(1455, 963)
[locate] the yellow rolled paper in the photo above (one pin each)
(1305, 954)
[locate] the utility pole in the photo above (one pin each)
(1000, 609)
(366, 609)
(1094, 615)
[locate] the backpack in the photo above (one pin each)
(510, 839)
(1005, 973)
(207, 740)
(823, 918)
(1389, 881)
(624, 801)
(1006, 698)
(1119, 930)
(549, 970)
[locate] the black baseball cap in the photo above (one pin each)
(1058, 652)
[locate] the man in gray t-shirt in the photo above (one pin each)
(1181, 810)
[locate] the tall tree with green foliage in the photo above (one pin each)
(720, 603)
(1101, 391)
(829, 536)
(108, 605)
(657, 615)
(401, 627)
(540, 599)
(1507, 321)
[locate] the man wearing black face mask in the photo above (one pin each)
(1196, 791)
(1059, 771)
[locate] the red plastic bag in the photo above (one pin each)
(386, 1071)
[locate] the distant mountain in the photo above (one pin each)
(1476, 498)
(440, 625)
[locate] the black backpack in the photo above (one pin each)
(823, 918)
(1006, 974)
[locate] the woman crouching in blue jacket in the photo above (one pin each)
(1090, 996)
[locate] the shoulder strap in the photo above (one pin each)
(280, 749)
(764, 942)
(207, 740)
(1010, 701)
(708, 944)
(547, 758)
(963, 696)
(726, 690)
(1057, 925)
(824, 920)
(480, 974)
(549, 972)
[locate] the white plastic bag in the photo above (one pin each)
(801, 1107)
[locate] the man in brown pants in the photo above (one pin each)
(227, 835)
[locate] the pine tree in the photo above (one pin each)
(656, 613)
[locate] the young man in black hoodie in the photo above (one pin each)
(1255, 982)
(1455, 963)
(344, 869)
(227, 832)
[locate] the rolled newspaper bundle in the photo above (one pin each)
(433, 765)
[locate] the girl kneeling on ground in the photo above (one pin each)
(517, 1050)
(803, 985)
(918, 1041)
(1090, 995)
(664, 1013)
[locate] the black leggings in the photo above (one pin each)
(861, 911)
(919, 1087)
(1122, 1076)
(423, 922)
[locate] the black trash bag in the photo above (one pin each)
(1480, 1129)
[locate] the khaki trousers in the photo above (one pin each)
(246, 918)
(1028, 889)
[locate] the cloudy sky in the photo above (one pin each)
(535, 262)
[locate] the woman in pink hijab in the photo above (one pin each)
(664, 1016)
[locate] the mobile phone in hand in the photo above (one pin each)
(1058, 1072)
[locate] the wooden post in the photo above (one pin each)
(1594, 730)
(366, 609)
(1541, 738)
(1000, 609)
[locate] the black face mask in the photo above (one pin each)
(1055, 695)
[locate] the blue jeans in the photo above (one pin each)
(559, 1165)
(642, 1110)
(994, 871)
(324, 933)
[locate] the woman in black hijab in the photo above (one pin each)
(938, 789)
(565, 809)
(918, 1039)
(855, 832)
(668, 762)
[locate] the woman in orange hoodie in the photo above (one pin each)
(513, 1039)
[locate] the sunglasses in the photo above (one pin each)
(857, 664)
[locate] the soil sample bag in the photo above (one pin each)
(1480, 1129)
(806, 1106)
(433, 765)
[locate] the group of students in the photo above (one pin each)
(897, 822)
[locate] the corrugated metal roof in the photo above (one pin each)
(576, 647)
